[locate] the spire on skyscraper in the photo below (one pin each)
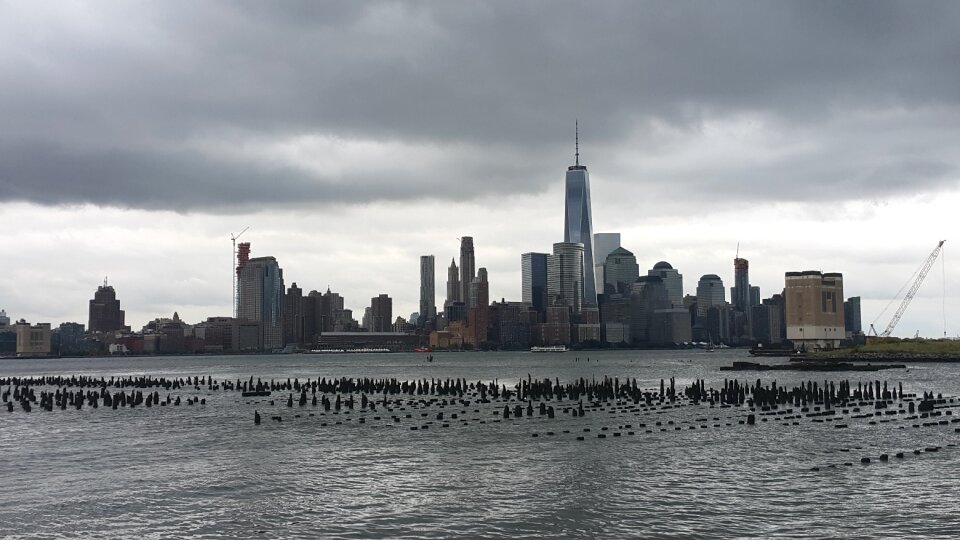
(576, 136)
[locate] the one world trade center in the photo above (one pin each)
(578, 221)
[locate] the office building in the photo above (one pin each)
(533, 275)
(851, 317)
(381, 314)
(453, 284)
(428, 290)
(814, 309)
(468, 269)
(578, 223)
(672, 280)
(293, 316)
(603, 245)
(620, 271)
(33, 340)
(741, 283)
(261, 298)
(710, 292)
(105, 314)
(565, 278)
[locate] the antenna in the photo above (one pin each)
(233, 267)
(104, 282)
(737, 256)
(576, 135)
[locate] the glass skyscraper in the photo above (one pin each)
(578, 223)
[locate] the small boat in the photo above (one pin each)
(552, 348)
(423, 349)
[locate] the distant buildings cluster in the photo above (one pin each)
(587, 291)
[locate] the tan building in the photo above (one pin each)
(814, 309)
(33, 340)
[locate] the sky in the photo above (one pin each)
(353, 137)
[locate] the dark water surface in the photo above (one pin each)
(206, 471)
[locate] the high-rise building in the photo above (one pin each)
(672, 280)
(741, 283)
(814, 307)
(603, 245)
(479, 313)
(381, 314)
(428, 290)
(578, 223)
(565, 278)
(851, 317)
(468, 269)
(105, 312)
(293, 316)
(620, 271)
(4, 320)
(453, 284)
(648, 295)
(533, 275)
(261, 298)
(710, 293)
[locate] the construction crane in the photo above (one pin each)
(233, 267)
(924, 270)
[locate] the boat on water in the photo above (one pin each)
(361, 350)
(552, 348)
(423, 349)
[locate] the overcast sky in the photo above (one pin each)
(353, 137)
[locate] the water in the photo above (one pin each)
(207, 471)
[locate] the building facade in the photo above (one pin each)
(814, 309)
(710, 292)
(578, 225)
(428, 290)
(672, 280)
(533, 276)
(620, 271)
(261, 298)
(468, 269)
(105, 314)
(565, 278)
(381, 314)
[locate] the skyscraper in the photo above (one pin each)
(468, 269)
(533, 275)
(453, 284)
(428, 290)
(741, 284)
(620, 271)
(293, 315)
(261, 298)
(603, 245)
(578, 222)
(105, 312)
(710, 293)
(381, 313)
(672, 280)
(565, 277)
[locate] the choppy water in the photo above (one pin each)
(208, 471)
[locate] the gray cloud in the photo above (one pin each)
(107, 108)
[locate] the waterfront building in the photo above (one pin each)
(672, 280)
(511, 324)
(767, 321)
(620, 271)
(814, 309)
(718, 323)
(33, 340)
(70, 339)
(479, 312)
(4, 320)
(533, 275)
(565, 278)
(710, 292)
(453, 284)
(428, 290)
(603, 245)
(105, 314)
(261, 298)
(467, 269)
(578, 224)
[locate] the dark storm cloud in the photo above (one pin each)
(106, 103)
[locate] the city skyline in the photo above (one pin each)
(134, 151)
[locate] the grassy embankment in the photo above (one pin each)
(902, 346)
